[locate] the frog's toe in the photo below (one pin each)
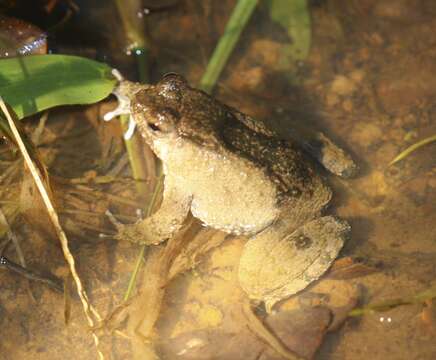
(129, 233)
(272, 269)
(137, 233)
(331, 156)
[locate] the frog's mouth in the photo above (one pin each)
(124, 92)
(123, 108)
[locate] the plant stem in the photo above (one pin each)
(140, 257)
(132, 23)
(138, 46)
(142, 58)
(421, 297)
(134, 30)
(138, 165)
(238, 19)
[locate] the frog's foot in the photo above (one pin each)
(331, 156)
(141, 232)
(138, 233)
(273, 267)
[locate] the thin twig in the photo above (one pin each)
(259, 329)
(4, 222)
(55, 284)
(14, 240)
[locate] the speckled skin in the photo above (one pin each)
(234, 175)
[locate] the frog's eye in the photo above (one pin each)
(164, 121)
(171, 86)
(154, 127)
(173, 78)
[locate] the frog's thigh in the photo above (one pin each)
(274, 266)
(164, 223)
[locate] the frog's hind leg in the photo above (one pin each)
(274, 265)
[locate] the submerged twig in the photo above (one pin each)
(259, 329)
(412, 148)
(158, 267)
(55, 284)
(88, 310)
(14, 240)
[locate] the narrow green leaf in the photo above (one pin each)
(412, 148)
(34, 83)
(418, 298)
(238, 19)
(294, 16)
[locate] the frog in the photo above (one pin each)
(234, 174)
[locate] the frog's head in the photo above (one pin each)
(170, 110)
(156, 109)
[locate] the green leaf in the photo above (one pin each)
(34, 83)
(294, 16)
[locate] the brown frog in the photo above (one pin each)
(234, 175)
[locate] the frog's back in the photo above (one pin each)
(301, 191)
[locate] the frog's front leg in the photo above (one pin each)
(164, 223)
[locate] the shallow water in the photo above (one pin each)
(368, 83)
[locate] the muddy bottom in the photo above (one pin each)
(369, 83)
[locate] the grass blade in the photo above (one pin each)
(412, 148)
(238, 19)
(294, 16)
